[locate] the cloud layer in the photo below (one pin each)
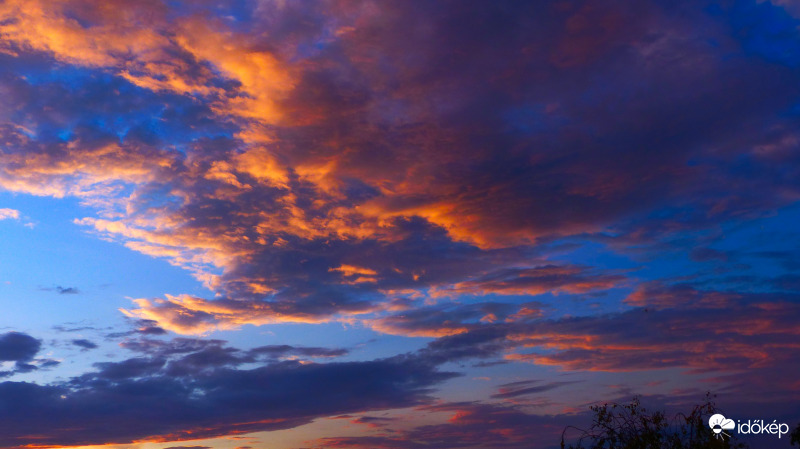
(273, 166)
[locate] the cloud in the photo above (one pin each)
(659, 295)
(141, 327)
(445, 320)
(71, 327)
(125, 401)
(525, 387)
(18, 347)
(483, 342)
(190, 315)
(375, 422)
(739, 333)
(276, 351)
(184, 356)
(469, 425)
(84, 344)
(258, 163)
(135, 46)
(21, 348)
(62, 290)
(6, 214)
(673, 326)
(538, 280)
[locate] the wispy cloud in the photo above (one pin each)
(6, 214)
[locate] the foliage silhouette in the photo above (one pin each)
(631, 426)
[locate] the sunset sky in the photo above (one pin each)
(393, 224)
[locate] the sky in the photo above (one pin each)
(271, 224)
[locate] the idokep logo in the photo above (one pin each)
(719, 424)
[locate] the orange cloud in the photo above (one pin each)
(388, 326)
(138, 43)
(739, 337)
(88, 173)
(263, 78)
(535, 281)
(187, 314)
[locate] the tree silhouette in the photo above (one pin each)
(631, 426)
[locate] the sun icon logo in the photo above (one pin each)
(718, 423)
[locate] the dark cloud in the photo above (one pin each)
(140, 327)
(788, 259)
(670, 326)
(483, 342)
(376, 422)
(21, 348)
(84, 344)
(47, 363)
(522, 388)
(185, 356)
(147, 397)
(170, 347)
(714, 331)
(277, 351)
(72, 328)
(63, 290)
(708, 254)
(471, 425)
(127, 369)
(538, 280)
(198, 353)
(151, 330)
(448, 319)
(18, 347)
